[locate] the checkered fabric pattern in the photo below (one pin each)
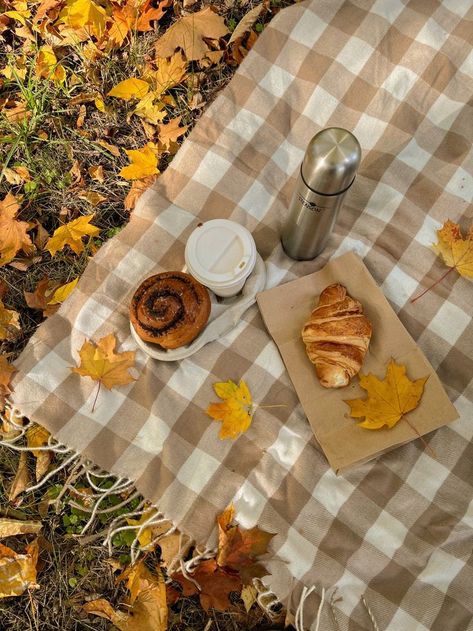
(399, 74)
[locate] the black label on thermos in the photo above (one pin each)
(309, 205)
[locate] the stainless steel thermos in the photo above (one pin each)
(327, 172)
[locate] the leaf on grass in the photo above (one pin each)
(236, 411)
(247, 21)
(113, 149)
(151, 112)
(40, 297)
(144, 162)
(96, 173)
(21, 480)
(102, 363)
(455, 250)
(47, 65)
(92, 197)
(18, 571)
(6, 372)
(148, 533)
(238, 549)
(13, 233)
(63, 292)
(147, 14)
(78, 14)
(13, 527)
(190, 34)
(388, 399)
(170, 132)
(147, 610)
(132, 88)
(71, 234)
(9, 323)
(170, 72)
(215, 585)
(38, 436)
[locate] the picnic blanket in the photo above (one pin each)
(397, 530)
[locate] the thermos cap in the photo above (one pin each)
(331, 160)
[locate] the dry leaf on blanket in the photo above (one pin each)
(18, 571)
(147, 608)
(238, 549)
(236, 411)
(388, 399)
(6, 372)
(13, 233)
(456, 252)
(71, 234)
(215, 583)
(144, 162)
(190, 32)
(103, 364)
(132, 88)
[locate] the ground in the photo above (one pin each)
(54, 112)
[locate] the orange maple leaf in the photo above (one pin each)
(13, 235)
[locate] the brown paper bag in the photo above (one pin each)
(285, 310)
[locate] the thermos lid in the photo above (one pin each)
(331, 160)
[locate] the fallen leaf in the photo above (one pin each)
(13, 233)
(11, 176)
(103, 364)
(21, 480)
(13, 527)
(147, 609)
(190, 34)
(47, 65)
(215, 585)
(170, 132)
(63, 292)
(78, 14)
(171, 546)
(9, 323)
(92, 197)
(76, 173)
(151, 112)
(132, 88)
(113, 149)
(96, 173)
(388, 399)
(18, 571)
(38, 436)
(248, 596)
(6, 372)
(147, 14)
(144, 162)
(236, 411)
(71, 234)
(137, 189)
(39, 298)
(239, 549)
(148, 533)
(247, 21)
(81, 116)
(455, 250)
(170, 72)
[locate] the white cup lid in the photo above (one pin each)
(220, 251)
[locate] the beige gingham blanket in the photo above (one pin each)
(399, 529)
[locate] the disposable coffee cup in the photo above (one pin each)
(221, 254)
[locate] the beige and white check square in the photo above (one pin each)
(400, 529)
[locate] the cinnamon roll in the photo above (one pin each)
(170, 309)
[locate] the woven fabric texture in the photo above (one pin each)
(399, 74)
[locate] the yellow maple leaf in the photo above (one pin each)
(151, 112)
(6, 372)
(388, 399)
(144, 162)
(456, 251)
(9, 322)
(47, 65)
(103, 364)
(38, 436)
(236, 411)
(13, 235)
(132, 88)
(63, 292)
(71, 234)
(170, 72)
(78, 14)
(170, 132)
(18, 571)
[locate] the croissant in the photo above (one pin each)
(170, 309)
(336, 336)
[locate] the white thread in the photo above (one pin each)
(319, 611)
(370, 614)
(306, 592)
(186, 574)
(49, 475)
